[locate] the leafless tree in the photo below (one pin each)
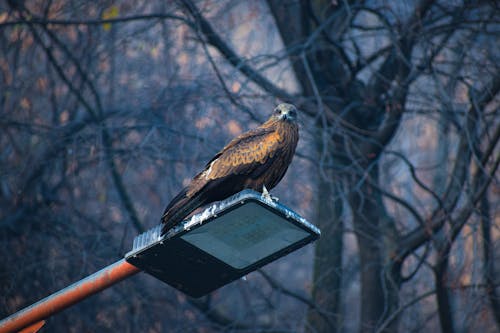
(106, 107)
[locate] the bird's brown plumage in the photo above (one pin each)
(257, 158)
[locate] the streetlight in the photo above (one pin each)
(223, 243)
(226, 241)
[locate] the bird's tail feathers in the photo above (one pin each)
(180, 207)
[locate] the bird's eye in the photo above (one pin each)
(292, 113)
(277, 111)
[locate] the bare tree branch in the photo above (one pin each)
(127, 202)
(125, 19)
(417, 237)
(214, 39)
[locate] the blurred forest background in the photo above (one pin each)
(107, 108)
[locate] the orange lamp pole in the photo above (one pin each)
(31, 318)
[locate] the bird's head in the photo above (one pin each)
(285, 111)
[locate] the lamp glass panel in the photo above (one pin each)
(245, 235)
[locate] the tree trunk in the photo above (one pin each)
(327, 279)
(442, 296)
(375, 234)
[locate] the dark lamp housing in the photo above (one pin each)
(226, 241)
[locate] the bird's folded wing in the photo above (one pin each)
(243, 154)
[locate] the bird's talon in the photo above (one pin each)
(267, 196)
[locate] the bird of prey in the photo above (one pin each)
(257, 159)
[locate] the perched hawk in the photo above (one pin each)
(257, 160)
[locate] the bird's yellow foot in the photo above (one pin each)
(267, 196)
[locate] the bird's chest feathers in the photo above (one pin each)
(279, 142)
(270, 144)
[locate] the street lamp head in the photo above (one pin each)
(226, 241)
